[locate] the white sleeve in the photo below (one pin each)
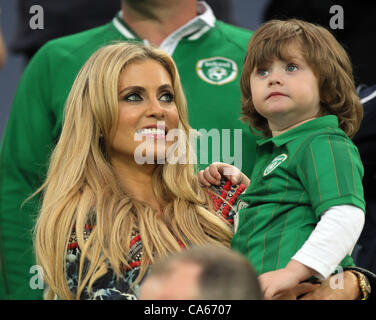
(335, 236)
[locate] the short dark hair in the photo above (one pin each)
(225, 274)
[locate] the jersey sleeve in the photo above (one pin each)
(24, 151)
(331, 173)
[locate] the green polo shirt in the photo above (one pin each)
(297, 176)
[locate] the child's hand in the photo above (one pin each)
(275, 282)
(212, 175)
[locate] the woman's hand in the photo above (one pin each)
(212, 175)
(301, 290)
(343, 286)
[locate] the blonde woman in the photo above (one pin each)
(114, 215)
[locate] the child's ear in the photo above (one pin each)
(324, 101)
(326, 96)
(330, 98)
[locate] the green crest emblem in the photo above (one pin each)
(217, 70)
(275, 163)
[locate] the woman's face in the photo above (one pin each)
(147, 111)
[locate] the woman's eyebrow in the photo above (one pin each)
(165, 86)
(132, 88)
(141, 89)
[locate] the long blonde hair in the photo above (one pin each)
(82, 187)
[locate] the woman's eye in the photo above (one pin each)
(291, 67)
(167, 97)
(133, 97)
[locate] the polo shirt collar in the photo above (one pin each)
(193, 29)
(302, 130)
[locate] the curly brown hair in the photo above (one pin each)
(325, 56)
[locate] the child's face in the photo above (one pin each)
(286, 92)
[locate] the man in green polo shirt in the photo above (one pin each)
(208, 54)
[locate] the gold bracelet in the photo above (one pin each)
(365, 287)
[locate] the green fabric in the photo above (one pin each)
(315, 166)
(36, 118)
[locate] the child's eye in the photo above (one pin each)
(133, 97)
(262, 72)
(167, 97)
(291, 67)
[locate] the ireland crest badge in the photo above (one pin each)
(217, 70)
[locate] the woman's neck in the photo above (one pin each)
(136, 180)
(155, 20)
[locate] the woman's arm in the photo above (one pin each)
(342, 286)
(3, 51)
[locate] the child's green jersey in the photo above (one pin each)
(297, 176)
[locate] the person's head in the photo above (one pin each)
(202, 273)
(306, 64)
(163, 7)
(120, 90)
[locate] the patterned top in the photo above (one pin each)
(108, 287)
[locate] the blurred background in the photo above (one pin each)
(244, 13)
(71, 16)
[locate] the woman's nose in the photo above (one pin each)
(155, 109)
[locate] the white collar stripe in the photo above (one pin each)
(199, 33)
(196, 27)
(122, 29)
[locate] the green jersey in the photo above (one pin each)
(209, 59)
(297, 176)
